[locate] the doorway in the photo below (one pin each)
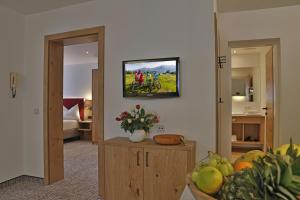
(53, 101)
(251, 94)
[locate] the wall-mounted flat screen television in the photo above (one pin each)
(151, 78)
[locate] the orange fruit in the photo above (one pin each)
(251, 156)
(238, 166)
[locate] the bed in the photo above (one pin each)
(70, 125)
(70, 128)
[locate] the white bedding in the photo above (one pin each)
(70, 124)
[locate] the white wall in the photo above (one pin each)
(11, 60)
(135, 29)
(78, 80)
(273, 23)
(245, 60)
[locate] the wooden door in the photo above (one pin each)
(55, 112)
(269, 99)
(164, 173)
(223, 98)
(221, 148)
(123, 173)
(95, 106)
(217, 76)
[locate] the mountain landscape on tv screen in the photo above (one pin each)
(159, 69)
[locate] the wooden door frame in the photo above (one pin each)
(70, 38)
(275, 43)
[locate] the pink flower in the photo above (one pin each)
(118, 119)
(156, 119)
(124, 114)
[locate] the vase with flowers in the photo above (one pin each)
(138, 123)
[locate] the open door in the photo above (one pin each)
(217, 50)
(55, 112)
(95, 94)
(269, 99)
(223, 98)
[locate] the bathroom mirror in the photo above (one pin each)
(242, 84)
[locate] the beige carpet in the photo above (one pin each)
(81, 178)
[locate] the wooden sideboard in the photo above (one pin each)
(146, 170)
(248, 126)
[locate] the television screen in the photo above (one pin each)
(151, 78)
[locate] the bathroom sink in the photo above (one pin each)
(247, 114)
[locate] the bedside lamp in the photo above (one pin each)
(88, 107)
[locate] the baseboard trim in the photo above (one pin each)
(19, 179)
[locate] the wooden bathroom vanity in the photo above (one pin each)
(249, 131)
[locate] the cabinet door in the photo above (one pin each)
(136, 174)
(123, 173)
(164, 174)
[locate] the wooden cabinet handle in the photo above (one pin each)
(138, 158)
(147, 159)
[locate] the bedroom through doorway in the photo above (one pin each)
(74, 93)
(80, 84)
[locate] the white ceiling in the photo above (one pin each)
(36, 6)
(240, 5)
(81, 54)
(250, 50)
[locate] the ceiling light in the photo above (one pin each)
(87, 52)
(234, 51)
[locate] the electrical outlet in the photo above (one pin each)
(160, 128)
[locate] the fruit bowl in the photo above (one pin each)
(195, 191)
(198, 195)
(257, 175)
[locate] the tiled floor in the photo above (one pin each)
(81, 178)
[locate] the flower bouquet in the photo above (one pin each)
(137, 122)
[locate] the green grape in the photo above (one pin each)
(212, 155)
(230, 167)
(213, 162)
(195, 176)
(224, 169)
